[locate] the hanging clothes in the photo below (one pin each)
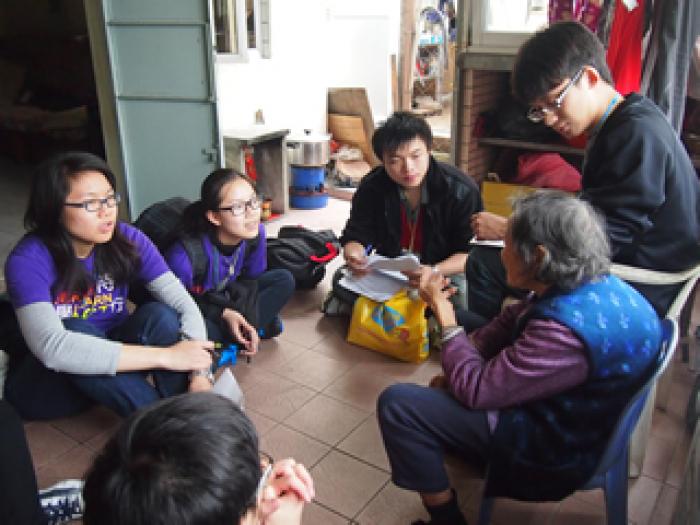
(625, 48)
(676, 25)
(585, 11)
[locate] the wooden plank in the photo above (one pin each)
(394, 84)
(349, 129)
(354, 102)
(532, 146)
(407, 40)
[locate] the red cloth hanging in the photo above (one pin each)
(625, 48)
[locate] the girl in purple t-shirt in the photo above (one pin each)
(225, 225)
(68, 280)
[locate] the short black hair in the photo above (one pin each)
(188, 459)
(553, 54)
(398, 129)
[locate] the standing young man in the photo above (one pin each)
(412, 203)
(635, 169)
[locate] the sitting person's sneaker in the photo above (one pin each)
(273, 330)
(63, 501)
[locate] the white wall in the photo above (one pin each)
(316, 44)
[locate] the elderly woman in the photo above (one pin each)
(536, 392)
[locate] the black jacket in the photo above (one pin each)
(637, 172)
(375, 217)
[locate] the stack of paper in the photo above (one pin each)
(385, 280)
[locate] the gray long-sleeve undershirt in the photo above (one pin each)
(75, 353)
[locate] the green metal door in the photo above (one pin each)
(160, 57)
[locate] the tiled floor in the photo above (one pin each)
(312, 396)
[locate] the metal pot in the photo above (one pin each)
(310, 149)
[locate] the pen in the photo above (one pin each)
(217, 346)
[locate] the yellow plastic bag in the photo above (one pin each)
(396, 327)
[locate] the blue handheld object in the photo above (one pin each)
(229, 355)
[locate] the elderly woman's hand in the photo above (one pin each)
(438, 381)
(488, 226)
(434, 287)
(436, 291)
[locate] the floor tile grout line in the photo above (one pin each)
(316, 438)
(361, 460)
(329, 509)
(370, 500)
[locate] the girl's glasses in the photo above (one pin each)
(93, 205)
(238, 207)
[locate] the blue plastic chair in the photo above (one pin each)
(611, 473)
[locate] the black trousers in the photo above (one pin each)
(19, 500)
(488, 287)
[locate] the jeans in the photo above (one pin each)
(275, 287)
(39, 393)
(419, 424)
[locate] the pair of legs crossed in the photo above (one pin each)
(275, 287)
(39, 393)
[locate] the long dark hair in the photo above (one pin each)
(194, 217)
(43, 218)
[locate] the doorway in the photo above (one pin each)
(48, 99)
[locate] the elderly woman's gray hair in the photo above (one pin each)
(571, 233)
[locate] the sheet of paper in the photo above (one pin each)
(227, 386)
(378, 286)
(402, 263)
(484, 242)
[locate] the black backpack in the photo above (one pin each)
(303, 252)
(162, 223)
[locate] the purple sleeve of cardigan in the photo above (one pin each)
(547, 358)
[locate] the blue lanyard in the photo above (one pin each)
(220, 285)
(605, 116)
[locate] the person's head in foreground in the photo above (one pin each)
(192, 459)
(403, 145)
(561, 73)
(554, 240)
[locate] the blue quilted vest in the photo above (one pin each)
(546, 449)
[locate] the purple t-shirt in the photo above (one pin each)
(244, 261)
(31, 274)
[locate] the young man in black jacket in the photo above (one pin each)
(635, 169)
(412, 203)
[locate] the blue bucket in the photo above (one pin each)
(308, 179)
(307, 200)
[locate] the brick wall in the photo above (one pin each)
(481, 91)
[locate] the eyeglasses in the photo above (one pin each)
(266, 463)
(538, 114)
(239, 207)
(94, 205)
